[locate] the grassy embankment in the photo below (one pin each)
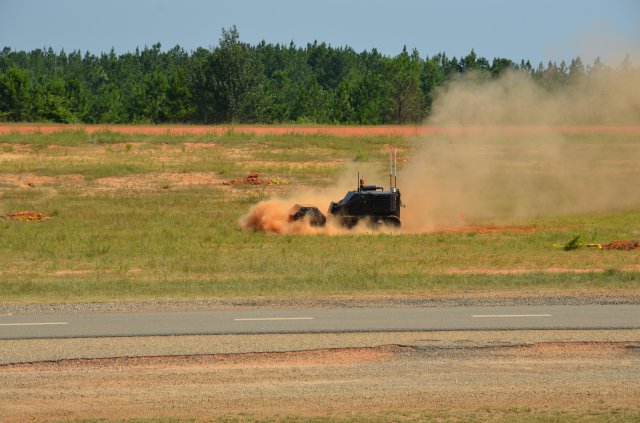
(137, 217)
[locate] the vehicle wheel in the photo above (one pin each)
(393, 221)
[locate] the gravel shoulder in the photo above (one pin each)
(399, 376)
(43, 350)
(460, 375)
(470, 299)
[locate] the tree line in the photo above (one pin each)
(235, 82)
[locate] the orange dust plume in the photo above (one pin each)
(496, 177)
(489, 177)
(273, 216)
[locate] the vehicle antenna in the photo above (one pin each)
(395, 172)
(390, 169)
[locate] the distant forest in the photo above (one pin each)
(235, 82)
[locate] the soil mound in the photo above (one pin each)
(626, 245)
(251, 179)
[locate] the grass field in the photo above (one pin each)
(139, 217)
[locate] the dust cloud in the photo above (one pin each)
(273, 215)
(493, 176)
(602, 97)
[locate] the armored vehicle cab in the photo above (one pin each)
(368, 202)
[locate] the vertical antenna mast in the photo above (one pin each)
(395, 172)
(390, 169)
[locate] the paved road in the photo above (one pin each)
(319, 320)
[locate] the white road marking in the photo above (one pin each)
(273, 318)
(33, 324)
(511, 315)
(8, 314)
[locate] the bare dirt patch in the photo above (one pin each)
(622, 245)
(253, 179)
(154, 181)
(25, 215)
(68, 272)
(293, 165)
(200, 146)
(26, 180)
(319, 357)
(514, 271)
(571, 377)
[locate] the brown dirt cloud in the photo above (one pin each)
(273, 215)
(462, 178)
(603, 97)
(492, 177)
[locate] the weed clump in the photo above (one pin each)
(573, 244)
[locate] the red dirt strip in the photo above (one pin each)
(345, 131)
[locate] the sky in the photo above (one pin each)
(538, 30)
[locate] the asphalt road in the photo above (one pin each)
(319, 320)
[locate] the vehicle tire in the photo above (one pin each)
(393, 221)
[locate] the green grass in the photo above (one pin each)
(158, 240)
